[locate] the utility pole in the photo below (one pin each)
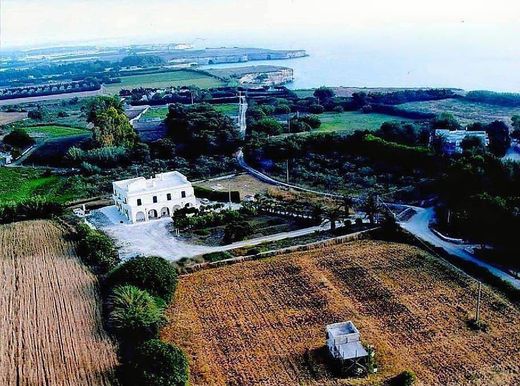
(477, 318)
(229, 192)
(287, 170)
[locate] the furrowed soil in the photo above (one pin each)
(262, 322)
(50, 312)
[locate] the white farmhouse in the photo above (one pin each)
(140, 199)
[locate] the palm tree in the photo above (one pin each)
(371, 207)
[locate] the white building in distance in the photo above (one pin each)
(140, 199)
(454, 138)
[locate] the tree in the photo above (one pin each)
(200, 129)
(472, 143)
(499, 138)
(101, 104)
(159, 364)
(134, 314)
(151, 273)
(323, 93)
(371, 207)
(312, 120)
(112, 128)
(38, 114)
(97, 249)
(316, 108)
(347, 202)
(18, 138)
(270, 126)
(515, 120)
(445, 121)
(237, 231)
(333, 215)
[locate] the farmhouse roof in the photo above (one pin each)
(343, 340)
(161, 181)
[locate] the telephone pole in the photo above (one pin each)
(287, 170)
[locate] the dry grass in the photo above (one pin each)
(7, 117)
(244, 183)
(50, 315)
(251, 323)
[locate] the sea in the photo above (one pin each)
(470, 58)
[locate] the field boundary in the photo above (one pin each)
(275, 252)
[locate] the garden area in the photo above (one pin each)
(349, 121)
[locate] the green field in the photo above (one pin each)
(227, 108)
(350, 121)
(18, 184)
(155, 112)
(165, 79)
(465, 111)
(160, 112)
(54, 131)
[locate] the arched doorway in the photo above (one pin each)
(139, 217)
(165, 212)
(152, 213)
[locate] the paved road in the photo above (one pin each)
(418, 225)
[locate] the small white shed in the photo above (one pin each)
(343, 341)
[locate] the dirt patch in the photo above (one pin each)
(262, 322)
(244, 183)
(6, 118)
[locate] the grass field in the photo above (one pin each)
(164, 79)
(54, 131)
(50, 312)
(262, 322)
(227, 108)
(466, 112)
(350, 121)
(18, 184)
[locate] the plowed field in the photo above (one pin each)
(262, 322)
(50, 314)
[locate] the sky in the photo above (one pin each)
(209, 22)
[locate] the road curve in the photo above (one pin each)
(418, 225)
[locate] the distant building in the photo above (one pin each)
(140, 199)
(453, 139)
(343, 341)
(5, 158)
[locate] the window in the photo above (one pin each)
(139, 202)
(154, 199)
(183, 194)
(169, 196)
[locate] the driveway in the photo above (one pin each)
(418, 225)
(154, 237)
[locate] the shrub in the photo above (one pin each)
(97, 249)
(151, 273)
(32, 208)
(237, 231)
(316, 109)
(312, 120)
(406, 378)
(134, 314)
(159, 364)
(217, 256)
(18, 138)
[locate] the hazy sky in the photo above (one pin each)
(41, 22)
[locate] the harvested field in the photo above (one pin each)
(262, 322)
(244, 183)
(7, 117)
(50, 312)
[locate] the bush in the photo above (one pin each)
(237, 231)
(312, 120)
(29, 209)
(406, 378)
(217, 256)
(18, 138)
(97, 249)
(159, 364)
(316, 109)
(134, 314)
(151, 273)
